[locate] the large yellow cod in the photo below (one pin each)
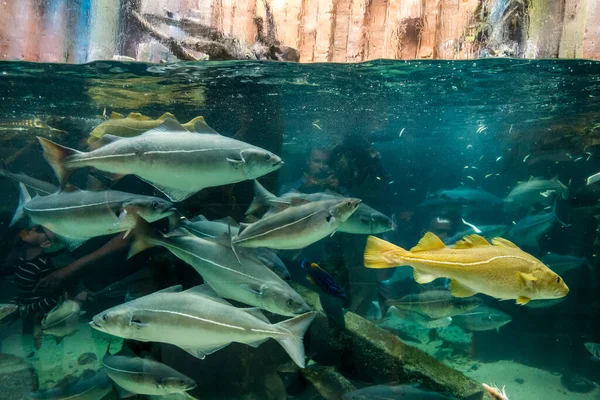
(500, 269)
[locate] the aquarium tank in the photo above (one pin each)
(299, 200)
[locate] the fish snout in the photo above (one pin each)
(97, 321)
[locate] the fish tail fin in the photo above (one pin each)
(55, 154)
(141, 233)
(292, 343)
(374, 251)
(232, 243)
(24, 197)
(261, 198)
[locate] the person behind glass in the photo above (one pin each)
(317, 177)
(29, 267)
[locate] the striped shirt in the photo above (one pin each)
(28, 273)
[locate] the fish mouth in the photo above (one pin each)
(95, 324)
(278, 163)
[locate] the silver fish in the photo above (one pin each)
(39, 186)
(92, 387)
(143, 376)
(248, 281)
(200, 323)
(7, 310)
(214, 230)
(563, 263)
(487, 231)
(365, 220)
(436, 304)
(78, 216)
(417, 318)
(62, 320)
(528, 230)
(169, 158)
(482, 319)
(387, 392)
(297, 227)
(535, 191)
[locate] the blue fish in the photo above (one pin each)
(323, 280)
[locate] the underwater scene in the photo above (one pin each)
(264, 230)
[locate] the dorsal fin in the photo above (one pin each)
(256, 312)
(200, 126)
(228, 221)
(169, 125)
(103, 141)
(199, 218)
(501, 242)
(138, 117)
(470, 241)
(429, 241)
(94, 184)
(165, 116)
(116, 115)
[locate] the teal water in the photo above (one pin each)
(399, 133)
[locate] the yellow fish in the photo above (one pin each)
(500, 269)
(132, 125)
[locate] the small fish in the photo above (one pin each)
(62, 320)
(495, 392)
(417, 318)
(386, 392)
(91, 385)
(526, 157)
(563, 263)
(401, 132)
(528, 230)
(323, 280)
(200, 322)
(475, 229)
(536, 190)
(143, 376)
(482, 318)
(499, 158)
(593, 348)
(500, 269)
(436, 304)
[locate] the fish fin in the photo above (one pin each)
(292, 343)
(200, 126)
(116, 115)
(429, 241)
(202, 353)
(199, 218)
(24, 197)
(175, 195)
(501, 242)
(94, 184)
(458, 290)
(522, 300)
(103, 141)
(253, 290)
(165, 116)
(422, 277)
(297, 201)
(261, 199)
(170, 289)
(470, 241)
(311, 280)
(236, 163)
(138, 117)
(55, 154)
(141, 232)
(58, 339)
(374, 253)
(168, 125)
(527, 278)
(258, 342)
(228, 221)
(256, 312)
(123, 393)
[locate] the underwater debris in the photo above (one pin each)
(495, 392)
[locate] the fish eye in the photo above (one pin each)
(558, 279)
(154, 204)
(105, 317)
(267, 157)
(290, 303)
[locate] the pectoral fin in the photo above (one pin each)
(201, 353)
(522, 300)
(527, 278)
(458, 290)
(235, 163)
(422, 277)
